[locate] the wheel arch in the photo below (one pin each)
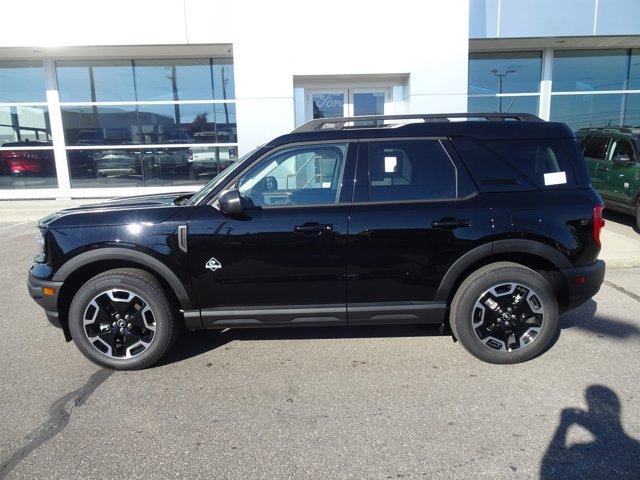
(78, 270)
(535, 255)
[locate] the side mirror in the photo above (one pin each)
(622, 159)
(230, 202)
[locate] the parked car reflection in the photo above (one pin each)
(205, 162)
(39, 163)
(117, 163)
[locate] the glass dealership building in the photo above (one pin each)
(100, 100)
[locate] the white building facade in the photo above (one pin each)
(101, 99)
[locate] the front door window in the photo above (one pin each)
(305, 175)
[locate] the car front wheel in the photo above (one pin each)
(123, 319)
(504, 313)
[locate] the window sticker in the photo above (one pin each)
(555, 178)
(390, 164)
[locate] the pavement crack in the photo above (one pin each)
(59, 416)
(623, 290)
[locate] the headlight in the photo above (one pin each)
(40, 253)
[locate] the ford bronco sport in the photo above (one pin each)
(489, 226)
(613, 161)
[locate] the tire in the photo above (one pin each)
(638, 218)
(150, 331)
(483, 330)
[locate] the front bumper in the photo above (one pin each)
(48, 302)
(583, 283)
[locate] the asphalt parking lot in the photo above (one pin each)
(332, 403)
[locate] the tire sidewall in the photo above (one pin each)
(486, 278)
(100, 284)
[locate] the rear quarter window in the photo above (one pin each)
(527, 164)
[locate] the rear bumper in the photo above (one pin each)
(48, 302)
(583, 283)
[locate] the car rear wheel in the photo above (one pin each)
(638, 217)
(504, 313)
(123, 319)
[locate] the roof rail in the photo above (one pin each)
(338, 123)
(622, 129)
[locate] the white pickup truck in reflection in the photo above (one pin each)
(206, 162)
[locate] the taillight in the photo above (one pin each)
(598, 223)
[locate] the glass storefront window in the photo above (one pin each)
(226, 127)
(206, 162)
(111, 167)
(95, 80)
(504, 72)
(188, 123)
(112, 112)
(634, 70)
(223, 79)
(582, 111)
(24, 123)
(589, 70)
(145, 80)
(175, 123)
(151, 124)
(23, 168)
(515, 104)
(93, 125)
(173, 79)
(22, 81)
(632, 110)
(144, 167)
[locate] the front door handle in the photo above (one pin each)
(604, 169)
(449, 223)
(313, 228)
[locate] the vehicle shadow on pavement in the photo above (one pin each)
(586, 318)
(192, 344)
(611, 454)
(622, 218)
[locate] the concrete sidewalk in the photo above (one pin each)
(620, 251)
(620, 243)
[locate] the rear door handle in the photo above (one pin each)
(604, 169)
(450, 223)
(313, 227)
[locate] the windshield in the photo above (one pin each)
(217, 180)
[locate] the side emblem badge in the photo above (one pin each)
(213, 264)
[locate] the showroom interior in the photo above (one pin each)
(165, 108)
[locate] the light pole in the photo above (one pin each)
(500, 77)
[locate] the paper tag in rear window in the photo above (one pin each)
(555, 178)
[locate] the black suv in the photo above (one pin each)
(489, 225)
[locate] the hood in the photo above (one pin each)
(138, 201)
(119, 205)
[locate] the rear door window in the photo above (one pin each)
(410, 170)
